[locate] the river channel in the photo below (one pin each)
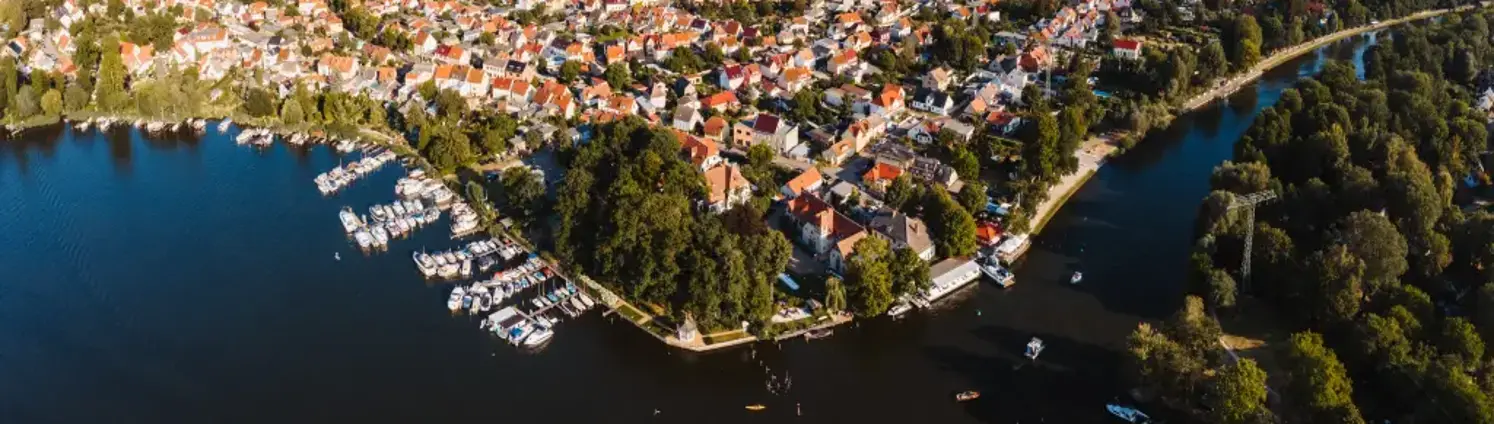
(190, 280)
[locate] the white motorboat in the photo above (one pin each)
(899, 309)
(350, 221)
(223, 126)
(577, 305)
(381, 236)
(467, 268)
(424, 262)
(587, 300)
(540, 335)
(449, 270)
(1076, 278)
(997, 273)
(455, 301)
(1034, 348)
(365, 240)
(1129, 414)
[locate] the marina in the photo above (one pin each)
(344, 175)
(518, 324)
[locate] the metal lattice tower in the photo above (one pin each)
(1249, 202)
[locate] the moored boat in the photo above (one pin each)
(818, 333)
(1129, 414)
(756, 407)
(455, 301)
(967, 395)
(899, 309)
(540, 335)
(1076, 278)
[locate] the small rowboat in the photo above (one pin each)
(756, 407)
(967, 395)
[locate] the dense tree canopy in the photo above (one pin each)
(1368, 241)
(627, 216)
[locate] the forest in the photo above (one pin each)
(1375, 256)
(628, 215)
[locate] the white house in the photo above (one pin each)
(827, 233)
(932, 101)
(1126, 49)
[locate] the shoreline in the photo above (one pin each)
(1059, 194)
(1232, 85)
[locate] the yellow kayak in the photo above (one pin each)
(756, 407)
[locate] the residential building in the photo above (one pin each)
(781, 136)
(905, 232)
(809, 181)
(727, 187)
(1126, 49)
(827, 233)
(932, 101)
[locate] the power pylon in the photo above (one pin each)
(1249, 202)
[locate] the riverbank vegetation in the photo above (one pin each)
(1375, 253)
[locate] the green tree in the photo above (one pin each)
(1237, 394)
(522, 190)
(75, 98)
(835, 295)
(1212, 61)
(1372, 238)
(51, 102)
(869, 277)
(972, 196)
(1222, 289)
(1461, 340)
(901, 193)
(1162, 364)
(109, 92)
(965, 164)
(499, 129)
(713, 55)
(291, 113)
(909, 272)
(1339, 275)
(1318, 386)
(26, 104)
(618, 76)
(1041, 155)
(569, 71)
(953, 227)
(1245, 36)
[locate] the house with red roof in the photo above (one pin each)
(826, 232)
(721, 102)
(1126, 48)
(727, 187)
(808, 181)
(880, 176)
(701, 152)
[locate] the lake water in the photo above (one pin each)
(190, 280)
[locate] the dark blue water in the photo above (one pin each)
(191, 280)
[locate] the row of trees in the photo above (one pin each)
(1366, 238)
(628, 215)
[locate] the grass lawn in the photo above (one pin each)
(631, 314)
(725, 337)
